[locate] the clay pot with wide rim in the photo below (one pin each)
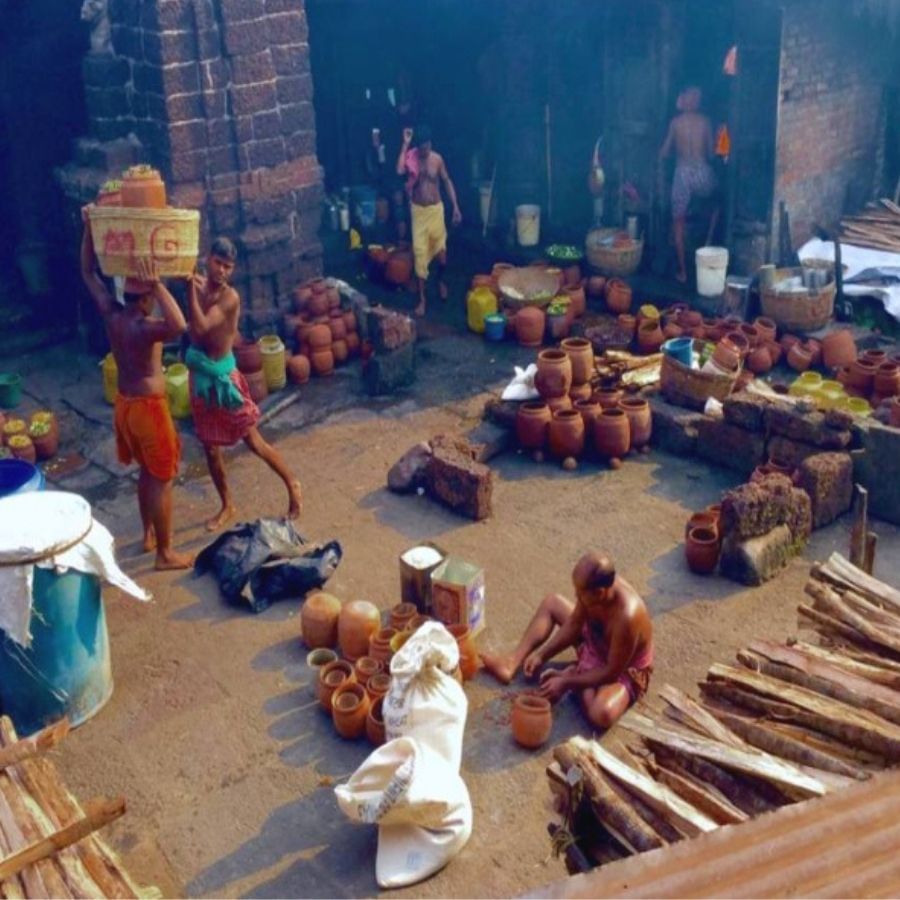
(799, 357)
(581, 354)
(775, 351)
(703, 519)
(727, 355)
(319, 620)
(788, 341)
(375, 723)
(365, 667)
(877, 357)
(815, 348)
(417, 621)
(886, 384)
(577, 302)
(671, 330)
(531, 720)
(349, 708)
(702, 550)
(690, 318)
(358, 621)
(717, 330)
(580, 392)
(554, 373)
(751, 332)
(380, 645)
(468, 654)
(640, 420)
(861, 376)
(142, 186)
(316, 660)
(612, 433)
(589, 410)
(530, 322)
(22, 447)
(650, 337)
(402, 614)
(608, 398)
(556, 404)
(331, 677)
(378, 685)
(766, 328)
(838, 349)
(45, 439)
(248, 356)
(627, 325)
(256, 384)
(565, 436)
(759, 360)
(340, 351)
(596, 286)
(532, 423)
(618, 295)
(298, 369)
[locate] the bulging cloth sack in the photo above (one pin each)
(411, 787)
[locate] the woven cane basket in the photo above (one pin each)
(689, 387)
(618, 262)
(801, 311)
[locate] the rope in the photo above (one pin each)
(562, 840)
(55, 551)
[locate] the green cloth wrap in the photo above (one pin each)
(212, 379)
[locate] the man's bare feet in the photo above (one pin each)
(224, 515)
(500, 665)
(419, 311)
(442, 290)
(149, 540)
(295, 506)
(167, 560)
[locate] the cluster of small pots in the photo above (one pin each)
(703, 544)
(34, 440)
(392, 264)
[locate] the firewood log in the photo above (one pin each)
(701, 796)
(846, 663)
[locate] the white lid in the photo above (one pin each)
(41, 523)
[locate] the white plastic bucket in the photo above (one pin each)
(712, 266)
(528, 224)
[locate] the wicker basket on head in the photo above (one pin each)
(612, 261)
(803, 311)
(689, 387)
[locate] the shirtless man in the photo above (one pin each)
(144, 430)
(610, 629)
(691, 134)
(224, 412)
(425, 170)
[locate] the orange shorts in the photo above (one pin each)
(146, 435)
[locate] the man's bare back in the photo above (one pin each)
(427, 189)
(692, 135)
(138, 357)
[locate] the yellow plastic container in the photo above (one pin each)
(274, 361)
(856, 405)
(648, 311)
(177, 391)
(481, 302)
(830, 394)
(809, 379)
(110, 378)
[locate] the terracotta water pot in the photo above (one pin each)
(331, 677)
(799, 358)
(618, 295)
(319, 620)
(572, 274)
(596, 285)
(248, 356)
(580, 392)
(317, 305)
(703, 519)
(556, 404)
(689, 319)
(838, 349)
(398, 269)
(815, 348)
(378, 685)
(402, 614)
(861, 376)
(319, 337)
(468, 654)
(375, 723)
(788, 341)
(417, 621)
(581, 354)
(46, 445)
(530, 322)
(554, 373)
(577, 301)
(612, 433)
(316, 660)
(751, 332)
(759, 361)
(766, 328)
(22, 447)
(336, 325)
(775, 351)
(702, 550)
(358, 621)
(531, 720)
(895, 412)
(365, 667)
(322, 362)
(886, 384)
(565, 435)
(142, 186)
(739, 341)
(349, 708)
(380, 645)
(608, 398)
(717, 331)
(340, 351)
(627, 325)
(877, 357)
(589, 410)
(256, 382)
(298, 369)
(727, 355)
(640, 420)
(532, 423)
(650, 336)
(671, 330)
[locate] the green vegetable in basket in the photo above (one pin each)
(558, 307)
(564, 251)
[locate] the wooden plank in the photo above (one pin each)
(828, 625)
(830, 602)
(40, 742)
(699, 796)
(845, 663)
(857, 578)
(706, 723)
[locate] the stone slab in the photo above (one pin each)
(390, 371)
(877, 468)
(810, 427)
(461, 483)
(756, 560)
(828, 480)
(745, 410)
(488, 440)
(675, 428)
(753, 509)
(727, 445)
(409, 472)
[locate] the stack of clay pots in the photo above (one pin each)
(702, 541)
(33, 440)
(326, 335)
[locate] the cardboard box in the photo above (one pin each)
(415, 580)
(457, 594)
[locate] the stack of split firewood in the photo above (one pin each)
(47, 843)
(877, 227)
(791, 722)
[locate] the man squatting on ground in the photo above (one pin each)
(610, 629)
(223, 410)
(425, 170)
(144, 429)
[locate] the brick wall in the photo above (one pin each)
(830, 120)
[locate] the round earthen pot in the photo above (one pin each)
(727, 356)
(751, 332)
(650, 337)
(340, 351)
(717, 331)
(417, 621)
(702, 550)
(468, 654)
(580, 392)
(739, 341)
(316, 660)
(322, 362)
(618, 295)
(577, 301)
(349, 708)
(319, 337)
(759, 361)
(365, 667)
(703, 519)
(589, 410)
(302, 293)
(317, 305)
(331, 677)
(627, 325)
(375, 723)
(775, 351)
(581, 354)
(402, 614)
(689, 319)
(530, 323)
(531, 721)
(555, 404)
(766, 328)
(612, 433)
(887, 380)
(298, 369)
(861, 376)
(336, 325)
(838, 349)
(256, 383)
(319, 620)
(554, 373)
(380, 645)
(671, 330)
(877, 357)
(398, 268)
(22, 447)
(565, 435)
(248, 356)
(608, 398)
(799, 357)
(596, 285)
(483, 281)
(788, 341)
(815, 348)
(640, 421)
(378, 685)
(358, 621)
(532, 422)
(572, 274)
(45, 445)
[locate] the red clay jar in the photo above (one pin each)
(701, 520)
(378, 685)
(531, 720)
(402, 614)
(581, 354)
(640, 421)
(689, 319)
(766, 328)
(861, 376)
(608, 398)
(618, 295)
(349, 708)
(775, 351)
(650, 337)
(759, 361)
(319, 620)
(317, 305)
(256, 383)
(331, 677)
(45, 445)
(715, 511)
(838, 349)
(530, 322)
(739, 341)
(612, 433)
(468, 654)
(340, 351)
(886, 384)
(322, 362)
(248, 356)
(577, 302)
(672, 330)
(627, 325)
(532, 422)
(24, 450)
(337, 326)
(298, 369)
(565, 435)
(358, 621)
(417, 621)
(375, 723)
(302, 293)
(788, 341)
(580, 392)
(380, 645)
(799, 358)
(398, 268)
(702, 550)
(877, 357)
(319, 337)
(554, 374)
(816, 349)
(751, 332)
(596, 285)
(365, 667)
(142, 186)
(589, 410)
(555, 404)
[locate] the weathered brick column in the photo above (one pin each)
(218, 95)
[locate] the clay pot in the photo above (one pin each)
(380, 645)
(612, 433)
(557, 404)
(671, 330)
(702, 550)
(703, 519)
(365, 668)
(336, 326)
(316, 660)
(565, 435)
(581, 354)
(895, 412)
(319, 620)
(572, 274)
(46, 445)
(627, 325)
(580, 392)
(399, 639)
(589, 410)
(640, 421)
(319, 337)
(318, 286)
(375, 723)
(596, 286)
(650, 337)
(22, 447)
(788, 341)
(838, 349)
(483, 281)
(417, 621)
(298, 369)
(739, 341)
(322, 362)
(815, 348)
(468, 654)
(142, 186)
(775, 351)
(317, 305)
(531, 721)
(877, 357)
(334, 297)
(248, 356)
(353, 343)
(499, 268)
(398, 269)
(378, 685)
(530, 322)
(618, 295)
(256, 382)
(358, 621)
(577, 301)
(861, 376)
(689, 319)
(759, 361)
(349, 708)
(751, 332)
(402, 614)
(532, 423)
(886, 384)
(727, 355)
(608, 398)
(331, 677)
(799, 357)
(717, 331)
(302, 293)
(554, 374)
(340, 351)
(766, 328)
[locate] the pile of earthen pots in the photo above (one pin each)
(33, 440)
(390, 264)
(703, 543)
(572, 418)
(351, 650)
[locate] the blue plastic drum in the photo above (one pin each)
(18, 476)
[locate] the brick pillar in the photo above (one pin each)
(218, 95)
